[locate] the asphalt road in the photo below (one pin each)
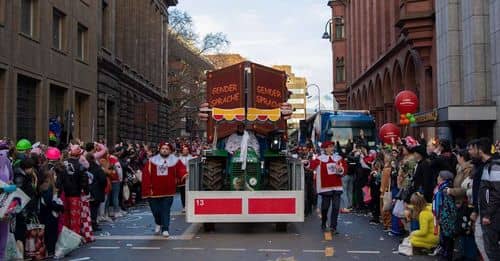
(132, 238)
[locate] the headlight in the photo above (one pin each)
(252, 181)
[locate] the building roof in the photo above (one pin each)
(225, 59)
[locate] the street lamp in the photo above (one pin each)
(328, 31)
(319, 94)
(328, 27)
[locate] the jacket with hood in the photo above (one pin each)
(425, 237)
(74, 179)
(489, 192)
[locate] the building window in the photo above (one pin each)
(296, 101)
(298, 91)
(340, 70)
(28, 17)
(105, 25)
(82, 42)
(2, 12)
(299, 111)
(57, 29)
(26, 107)
(339, 28)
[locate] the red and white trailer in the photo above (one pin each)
(245, 206)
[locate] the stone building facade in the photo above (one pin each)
(48, 66)
(389, 47)
(132, 70)
(468, 56)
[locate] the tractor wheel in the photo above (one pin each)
(212, 179)
(278, 175)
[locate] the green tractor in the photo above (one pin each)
(223, 171)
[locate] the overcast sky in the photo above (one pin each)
(273, 32)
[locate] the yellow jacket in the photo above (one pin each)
(424, 237)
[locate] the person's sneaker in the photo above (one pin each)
(118, 215)
(374, 222)
(157, 229)
(165, 234)
(436, 252)
(183, 210)
(108, 219)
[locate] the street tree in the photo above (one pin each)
(187, 66)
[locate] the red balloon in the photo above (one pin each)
(406, 102)
(388, 132)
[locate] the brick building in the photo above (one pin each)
(186, 88)
(132, 70)
(388, 46)
(48, 66)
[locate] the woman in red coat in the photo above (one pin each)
(159, 180)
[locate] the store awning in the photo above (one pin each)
(467, 113)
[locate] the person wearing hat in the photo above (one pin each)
(159, 179)
(423, 179)
(445, 214)
(23, 149)
(73, 181)
(330, 168)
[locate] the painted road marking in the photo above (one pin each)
(80, 259)
(104, 247)
(363, 252)
(188, 248)
(231, 249)
(313, 251)
(273, 250)
(150, 237)
(146, 248)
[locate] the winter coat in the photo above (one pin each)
(423, 180)
(27, 183)
(489, 192)
(424, 237)
(457, 191)
(73, 180)
(99, 182)
(476, 182)
(160, 176)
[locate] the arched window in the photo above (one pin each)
(340, 70)
(339, 28)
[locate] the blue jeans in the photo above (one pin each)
(347, 187)
(161, 211)
(115, 197)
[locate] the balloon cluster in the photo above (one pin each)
(406, 119)
(406, 102)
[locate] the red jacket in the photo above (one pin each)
(160, 176)
(329, 172)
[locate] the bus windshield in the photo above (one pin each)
(344, 134)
